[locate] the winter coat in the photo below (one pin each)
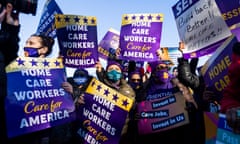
(124, 88)
(8, 52)
(195, 130)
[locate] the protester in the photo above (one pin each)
(138, 82)
(195, 130)
(36, 46)
(68, 133)
(9, 39)
(162, 81)
(230, 103)
(113, 78)
(174, 71)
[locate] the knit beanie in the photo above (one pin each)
(113, 62)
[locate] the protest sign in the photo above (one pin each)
(140, 36)
(104, 114)
(231, 14)
(200, 26)
(214, 71)
(225, 134)
(46, 24)
(165, 110)
(77, 39)
(109, 44)
(35, 99)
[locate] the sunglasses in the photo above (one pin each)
(135, 80)
(160, 67)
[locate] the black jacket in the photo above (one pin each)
(195, 131)
(8, 52)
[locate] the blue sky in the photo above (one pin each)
(109, 14)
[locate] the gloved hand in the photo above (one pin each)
(209, 95)
(233, 119)
(236, 48)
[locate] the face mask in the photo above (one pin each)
(80, 80)
(135, 85)
(114, 75)
(31, 52)
(162, 76)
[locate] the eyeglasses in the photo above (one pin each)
(135, 80)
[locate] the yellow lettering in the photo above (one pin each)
(31, 107)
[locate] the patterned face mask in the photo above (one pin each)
(31, 52)
(80, 80)
(114, 75)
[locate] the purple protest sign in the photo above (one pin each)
(214, 71)
(35, 99)
(109, 44)
(166, 110)
(104, 114)
(77, 38)
(230, 11)
(231, 14)
(140, 36)
(200, 26)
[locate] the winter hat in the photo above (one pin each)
(154, 64)
(135, 72)
(80, 73)
(113, 62)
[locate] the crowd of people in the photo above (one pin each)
(138, 85)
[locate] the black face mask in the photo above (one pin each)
(135, 85)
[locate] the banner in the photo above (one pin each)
(47, 22)
(200, 26)
(104, 114)
(166, 110)
(214, 71)
(225, 134)
(35, 99)
(77, 38)
(140, 36)
(109, 44)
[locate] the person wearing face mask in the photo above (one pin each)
(138, 82)
(38, 46)
(67, 133)
(160, 83)
(113, 78)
